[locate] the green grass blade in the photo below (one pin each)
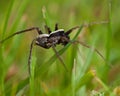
(20, 14)
(2, 67)
(12, 52)
(32, 70)
(7, 17)
(109, 34)
(46, 17)
(84, 80)
(22, 84)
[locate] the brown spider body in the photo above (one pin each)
(54, 38)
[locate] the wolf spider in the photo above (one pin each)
(53, 38)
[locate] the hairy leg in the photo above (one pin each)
(30, 55)
(56, 26)
(23, 31)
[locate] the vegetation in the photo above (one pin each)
(88, 75)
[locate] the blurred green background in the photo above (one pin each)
(88, 75)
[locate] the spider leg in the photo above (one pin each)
(60, 58)
(30, 54)
(23, 31)
(56, 26)
(87, 46)
(70, 30)
(48, 29)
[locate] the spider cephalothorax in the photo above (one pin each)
(54, 38)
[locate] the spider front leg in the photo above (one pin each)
(23, 31)
(30, 55)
